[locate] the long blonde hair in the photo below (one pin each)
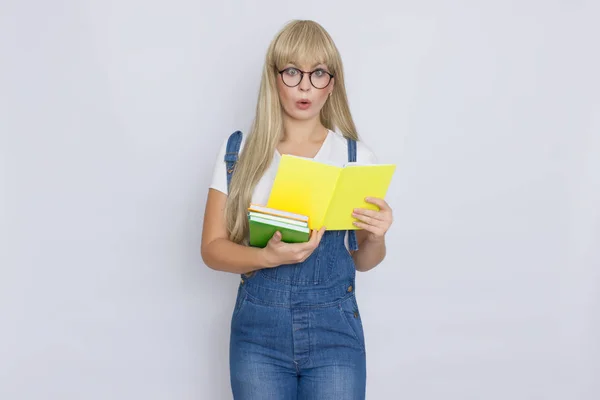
(298, 41)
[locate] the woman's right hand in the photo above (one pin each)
(278, 253)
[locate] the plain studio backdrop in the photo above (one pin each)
(111, 116)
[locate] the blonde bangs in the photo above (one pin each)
(304, 44)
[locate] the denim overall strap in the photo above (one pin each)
(352, 242)
(231, 154)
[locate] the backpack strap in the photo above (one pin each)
(352, 242)
(232, 153)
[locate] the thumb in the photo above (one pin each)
(276, 237)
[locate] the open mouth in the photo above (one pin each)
(303, 104)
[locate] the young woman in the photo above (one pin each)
(296, 332)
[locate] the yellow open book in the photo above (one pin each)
(327, 193)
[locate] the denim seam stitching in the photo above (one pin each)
(349, 325)
(258, 301)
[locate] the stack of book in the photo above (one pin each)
(265, 221)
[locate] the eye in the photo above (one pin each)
(320, 73)
(291, 71)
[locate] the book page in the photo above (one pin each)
(356, 183)
(304, 186)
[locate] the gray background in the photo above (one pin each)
(111, 113)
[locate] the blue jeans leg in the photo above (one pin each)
(260, 359)
(333, 382)
(262, 380)
(337, 366)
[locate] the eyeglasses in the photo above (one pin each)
(319, 78)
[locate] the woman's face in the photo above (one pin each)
(303, 101)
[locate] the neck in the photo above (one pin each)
(303, 131)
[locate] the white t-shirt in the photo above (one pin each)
(333, 150)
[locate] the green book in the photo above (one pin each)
(262, 229)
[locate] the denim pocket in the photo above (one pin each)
(351, 316)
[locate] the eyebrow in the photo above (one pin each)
(314, 65)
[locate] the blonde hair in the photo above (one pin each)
(298, 41)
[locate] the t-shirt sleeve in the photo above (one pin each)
(219, 178)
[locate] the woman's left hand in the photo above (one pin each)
(375, 222)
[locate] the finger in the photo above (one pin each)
(310, 243)
(276, 237)
(304, 250)
(313, 242)
(314, 237)
(369, 228)
(321, 233)
(378, 202)
(368, 220)
(358, 212)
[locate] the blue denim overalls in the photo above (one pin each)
(296, 332)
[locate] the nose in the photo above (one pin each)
(304, 84)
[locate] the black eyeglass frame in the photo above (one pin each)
(309, 76)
